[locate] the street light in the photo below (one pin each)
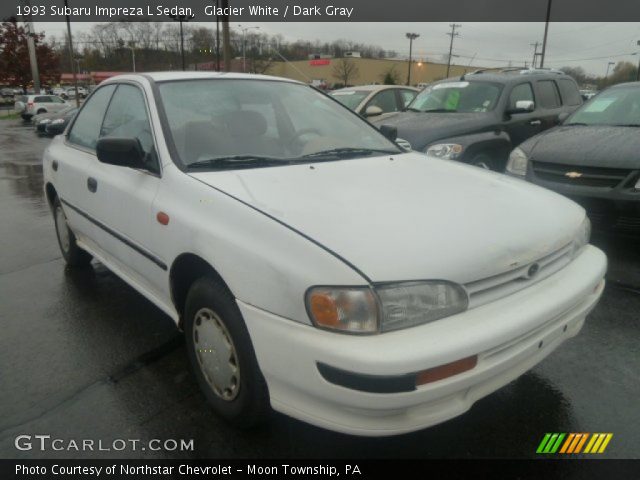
(132, 47)
(182, 18)
(638, 72)
(608, 65)
(244, 46)
(411, 37)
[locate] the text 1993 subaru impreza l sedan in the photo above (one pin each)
(315, 266)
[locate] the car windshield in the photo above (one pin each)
(616, 106)
(238, 123)
(457, 97)
(350, 98)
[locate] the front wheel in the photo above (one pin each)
(222, 356)
(72, 253)
(485, 161)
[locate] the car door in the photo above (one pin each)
(42, 103)
(386, 100)
(74, 164)
(521, 126)
(125, 195)
(549, 101)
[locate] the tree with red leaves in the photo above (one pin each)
(15, 68)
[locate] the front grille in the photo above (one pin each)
(499, 286)
(586, 176)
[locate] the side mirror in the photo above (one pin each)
(389, 131)
(373, 111)
(522, 106)
(122, 152)
(562, 117)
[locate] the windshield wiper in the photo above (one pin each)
(627, 125)
(439, 110)
(575, 123)
(412, 109)
(238, 161)
(347, 152)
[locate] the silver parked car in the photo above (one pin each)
(30, 105)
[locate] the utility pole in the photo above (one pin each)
(181, 19)
(217, 37)
(73, 67)
(638, 72)
(411, 37)
(226, 36)
(453, 34)
(535, 53)
(546, 31)
(31, 46)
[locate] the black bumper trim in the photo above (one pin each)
(368, 383)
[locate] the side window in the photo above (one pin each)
(42, 100)
(520, 92)
(57, 100)
(127, 117)
(407, 97)
(86, 128)
(386, 100)
(569, 92)
(549, 97)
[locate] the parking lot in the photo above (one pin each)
(83, 355)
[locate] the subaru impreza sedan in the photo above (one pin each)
(314, 266)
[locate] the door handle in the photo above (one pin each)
(54, 165)
(92, 184)
(535, 122)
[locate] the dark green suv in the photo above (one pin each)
(480, 117)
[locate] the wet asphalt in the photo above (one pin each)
(82, 355)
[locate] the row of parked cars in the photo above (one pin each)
(49, 114)
(533, 124)
(320, 267)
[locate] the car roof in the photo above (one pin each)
(372, 88)
(179, 75)
(508, 77)
(626, 85)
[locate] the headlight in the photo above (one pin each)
(353, 310)
(448, 151)
(57, 121)
(389, 307)
(582, 237)
(44, 120)
(517, 164)
(414, 303)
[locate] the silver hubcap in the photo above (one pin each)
(62, 229)
(483, 165)
(216, 354)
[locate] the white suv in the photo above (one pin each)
(30, 105)
(315, 266)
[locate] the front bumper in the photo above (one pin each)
(510, 336)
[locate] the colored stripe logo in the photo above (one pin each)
(572, 443)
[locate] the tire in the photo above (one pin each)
(41, 110)
(72, 253)
(222, 356)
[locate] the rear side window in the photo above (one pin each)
(520, 92)
(86, 128)
(42, 100)
(569, 92)
(548, 93)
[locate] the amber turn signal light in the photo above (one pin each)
(445, 371)
(324, 309)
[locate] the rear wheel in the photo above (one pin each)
(72, 253)
(222, 356)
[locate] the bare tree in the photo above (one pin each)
(346, 70)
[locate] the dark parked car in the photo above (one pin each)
(478, 118)
(57, 124)
(40, 121)
(593, 158)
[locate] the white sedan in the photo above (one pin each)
(314, 266)
(375, 100)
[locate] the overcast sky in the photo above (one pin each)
(590, 45)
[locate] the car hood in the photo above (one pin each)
(587, 146)
(411, 217)
(420, 129)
